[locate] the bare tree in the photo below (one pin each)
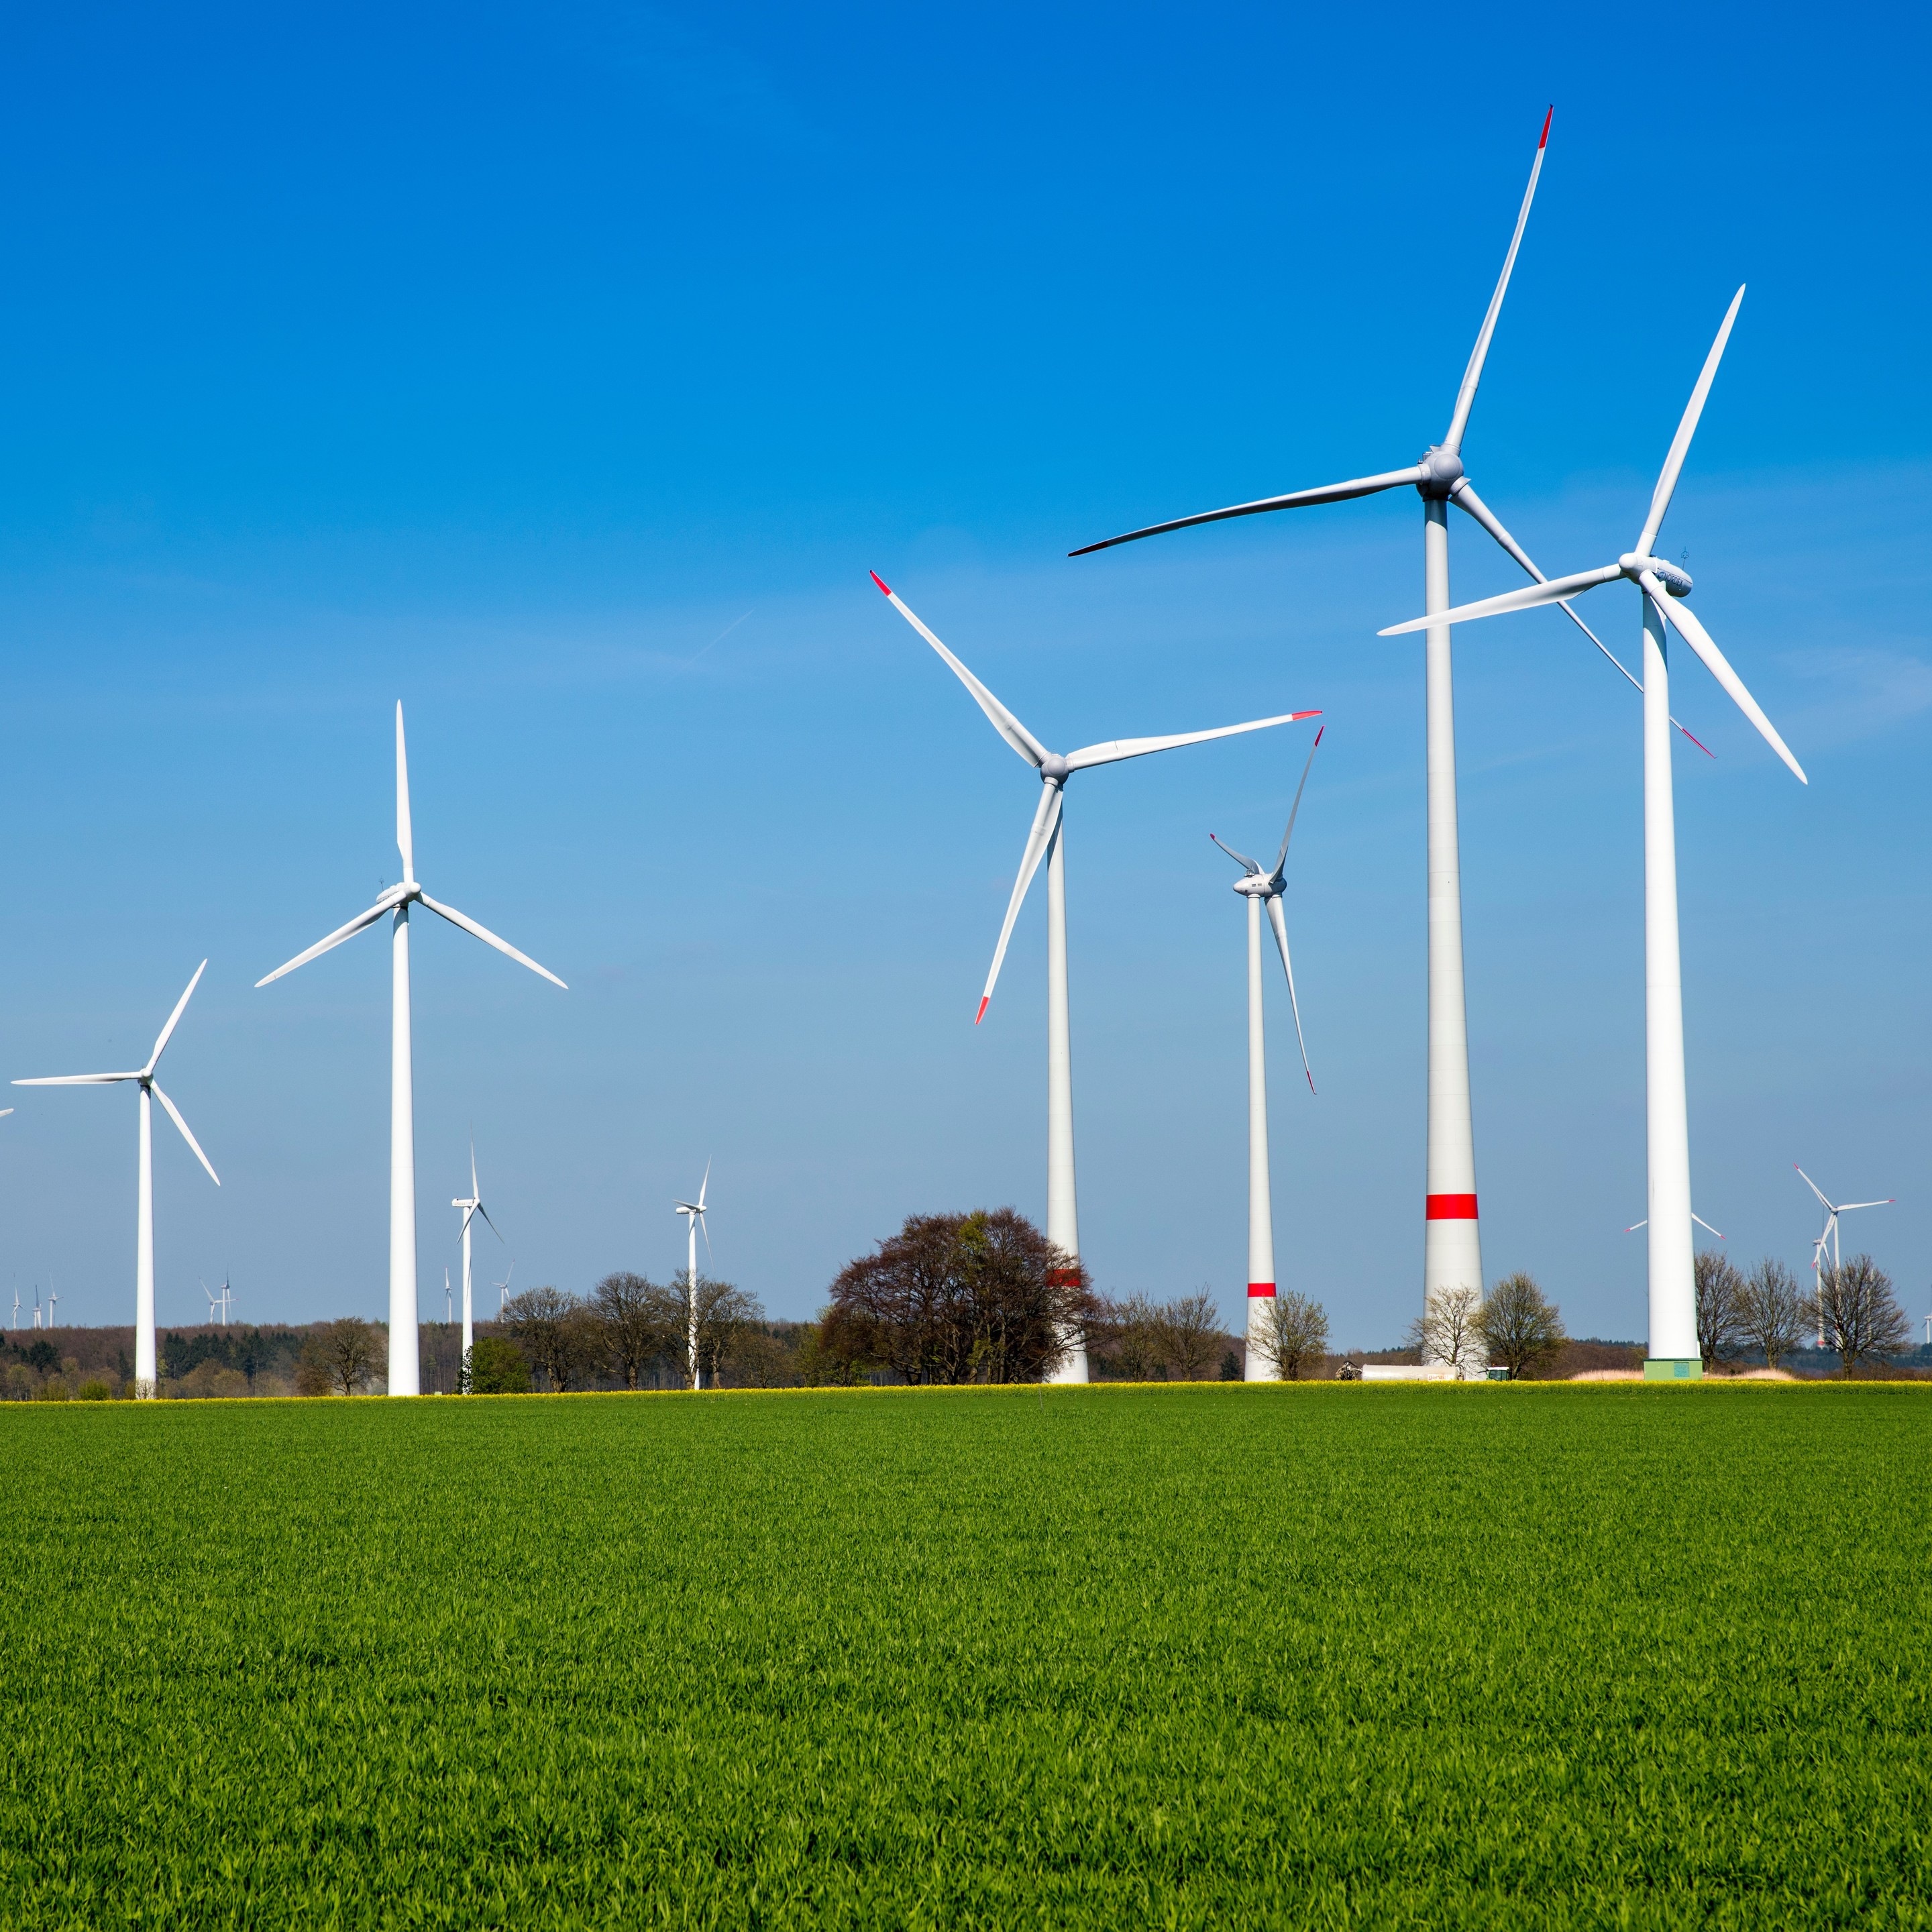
(1858, 1315)
(723, 1314)
(1189, 1329)
(1446, 1329)
(562, 1338)
(1770, 1311)
(640, 1322)
(1720, 1290)
(340, 1357)
(1518, 1325)
(1295, 1334)
(1131, 1331)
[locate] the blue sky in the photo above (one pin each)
(563, 371)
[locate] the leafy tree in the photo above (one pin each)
(1295, 1332)
(819, 1364)
(497, 1366)
(1518, 1326)
(1771, 1309)
(1858, 1315)
(1448, 1330)
(93, 1390)
(983, 1297)
(640, 1322)
(340, 1357)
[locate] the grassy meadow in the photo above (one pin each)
(1213, 1656)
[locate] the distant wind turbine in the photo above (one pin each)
(1259, 888)
(1046, 840)
(52, 1299)
(1829, 1234)
(694, 1214)
(16, 1322)
(1698, 1218)
(405, 1368)
(472, 1204)
(502, 1288)
(144, 1232)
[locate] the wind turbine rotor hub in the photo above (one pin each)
(1674, 577)
(1255, 885)
(1442, 470)
(1054, 769)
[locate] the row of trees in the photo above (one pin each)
(1853, 1313)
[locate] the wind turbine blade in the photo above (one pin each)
(4, 1111)
(703, 1229)
(1281, 857)
(1700, 640)
(1004, 721)
(356, 925)
(406, 842)
(1845, 1207)
(1280, 925)
(493, 1227)
(489, 938)
(1241, 859)
(1473, 375)
(1045, 824)
(174, 1114)
(1115, 749)
(76, 1080)
(703, 1187)
(1813, 1186)
(1705, 1225)
(1296, 500)
(174, 1019)
(1553, 590)
(1635, 1224)
(1467, 498)
(1680, 444)
(476, 1192)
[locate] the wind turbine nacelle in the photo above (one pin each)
(1674, 579)
(1442, 470)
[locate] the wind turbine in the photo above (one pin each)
(1452, 1242)
(144, 1227)
(1830, 1232)
(1045, 841)
(37, 1304)
(16, 1322)
(502, 1288)
(694, 1214)
(1673, 1307)
(405, 1368)
(53, 1298)
(472, 1204)
(1259, 888)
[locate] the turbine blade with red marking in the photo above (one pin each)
(1002, 720)
(1045, 824)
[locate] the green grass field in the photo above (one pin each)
(1117, 1658)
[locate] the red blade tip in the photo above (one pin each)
(1317, 737)
(879, 581)
(1295, 717)
(985, 1001)
(1545, 141)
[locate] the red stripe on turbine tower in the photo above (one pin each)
(1260, 1290)
(1451, 1208)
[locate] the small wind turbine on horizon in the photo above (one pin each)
(144, 1225)
(405, 1367)
(472, 1204)
(1828, 1233)
(1673, 1300)
(37, 1304)
(502, 1288)
(53, 1298)
(694, 1214)
(1046, 839)
(1259, 888)
(16, 1322)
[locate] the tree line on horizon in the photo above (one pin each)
(948, 1299)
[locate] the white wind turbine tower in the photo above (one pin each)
(405, 1369)
(16, 1322)
(1673, 1307)
(37, 1304)
(502, 1288)
(53, 1298)
(472, 1204)
(694, 1214)
(1046, 840)
(1259, 888)
(144, 1227)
